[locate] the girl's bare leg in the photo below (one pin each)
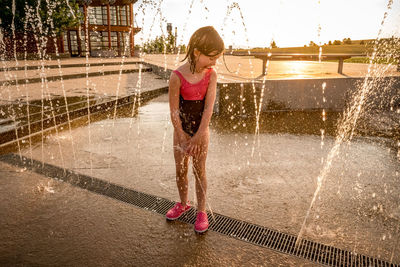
(181, 164)
(199, 170)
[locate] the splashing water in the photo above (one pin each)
(87, 68)
(26, 88)
(350, 119)
(257, 103)
(17, 63)
(347, 125)
(62, 82)
(117, 90)
(41, 44)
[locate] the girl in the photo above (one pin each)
(192, 90)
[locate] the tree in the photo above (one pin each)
(337, 42)
(273, 44)
(51, 16)
(330, 43)
(162, 44)
(312, 44)
(346, 41)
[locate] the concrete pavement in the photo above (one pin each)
(52, 223)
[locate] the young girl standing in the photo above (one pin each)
(192, 90)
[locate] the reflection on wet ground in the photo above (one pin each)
(267, 179)
(273, 122)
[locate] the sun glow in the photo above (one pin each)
(296, 67)
(255, 23)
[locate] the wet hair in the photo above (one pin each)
(207, 41)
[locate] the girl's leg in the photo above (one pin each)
(181, 164)
(199, 170)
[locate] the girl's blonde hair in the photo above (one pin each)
(207, 41)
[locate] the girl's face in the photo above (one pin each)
(206, 61)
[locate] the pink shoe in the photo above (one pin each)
(201, 224)
(177, 211)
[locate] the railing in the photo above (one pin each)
(293, 57)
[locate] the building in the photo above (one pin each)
(107, 26)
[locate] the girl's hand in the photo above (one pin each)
(194, 144)
(182, 141)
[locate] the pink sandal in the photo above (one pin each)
(177, 211)
(201, 224)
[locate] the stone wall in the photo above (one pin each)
(304, 94)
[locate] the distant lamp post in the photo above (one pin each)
(169, 28)
(398, 63)
(176, 37)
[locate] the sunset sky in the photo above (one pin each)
(288, 22)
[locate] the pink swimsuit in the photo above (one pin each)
(191, 102)
(194, 91)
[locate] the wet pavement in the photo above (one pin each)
(267, 179)
(47, 72)
(100, 87)
(50, 223)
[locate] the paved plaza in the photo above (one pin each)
(267, 179)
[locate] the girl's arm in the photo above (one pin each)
(209, 104)
(193, 146)
(173, 94)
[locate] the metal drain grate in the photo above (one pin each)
(248, 232)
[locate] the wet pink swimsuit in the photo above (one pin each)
(191, 102)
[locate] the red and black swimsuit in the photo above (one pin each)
(191, 102)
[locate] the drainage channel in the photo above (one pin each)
(241, 230)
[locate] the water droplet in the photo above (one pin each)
(22, 170)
